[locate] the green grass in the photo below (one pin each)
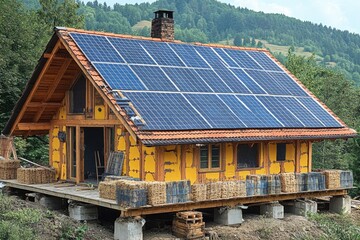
(140, 25)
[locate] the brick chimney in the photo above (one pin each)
(162, 26)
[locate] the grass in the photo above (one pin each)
(140, 25)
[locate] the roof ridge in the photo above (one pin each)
(108, 34)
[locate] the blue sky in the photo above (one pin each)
(341, 14)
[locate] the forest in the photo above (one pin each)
(332, 73)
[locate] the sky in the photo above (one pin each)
(341, 14)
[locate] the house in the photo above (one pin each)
(201, 112)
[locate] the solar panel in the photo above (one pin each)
(281, 113)
(210, 77)
(267, 83)
(186, 79)
(250, 118)
(249, 83)
(242, 59)
(235, 84)
(259, 111)
(119, 76)
(180, 86)
(225, 57)
(163, 111)
(96, 48)
(131, 51)
(154, 78)
(264, 60)
(319, 112)
(188, 54)
(162, 53)
(210, 57)
(303, 114)
(214, 111)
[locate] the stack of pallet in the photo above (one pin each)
(156, 193)
(189, 225)
(198, 192)
(8, 169)
(274, 184)
(35, 175)
(178, 191)
(332, 179)
(131, 194)
(289, 182)
(213, 190)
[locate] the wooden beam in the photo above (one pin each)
(33, 126)
(183, 161)
(266, 158)
(58, 78)
(142, 162)
(309, 156)
(33, 90)
(38, 114)
(85, 122)
(232, 202)
(43, 104)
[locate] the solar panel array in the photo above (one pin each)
(176, 86)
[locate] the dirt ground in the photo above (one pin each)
(254, 227)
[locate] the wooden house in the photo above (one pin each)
(178, 111)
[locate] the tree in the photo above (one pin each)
(238, 40)
(253, 42)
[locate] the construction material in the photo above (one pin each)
(198, 192)
(178, 191)
(128, 228)
(83, 211)
(332, 179)
(228, 216)
(272, 210)
(37, 165)
(346, 179)
(107, 190)
(213, 190)
(156, 193)
(8, 169)
(35, 175)
(340, 204)
(289, 182)
(131, 194)
(114, 164)
(7, 148)
(189, 225)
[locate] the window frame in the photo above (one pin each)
(71, 99)
(209, 158)
(258, 157)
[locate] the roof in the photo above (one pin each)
(173, 93)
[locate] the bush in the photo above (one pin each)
(70, 232)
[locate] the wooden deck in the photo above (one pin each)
(92, 197)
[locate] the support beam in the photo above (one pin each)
(33, 126)
(78, 155)
(87, 122)
(297, 156)
(43, 104)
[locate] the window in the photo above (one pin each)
(281, 152)
(248, 155)
(78, 96)
(210, 156)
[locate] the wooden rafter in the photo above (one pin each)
(43, 104)
(33, 126)
(36, 85)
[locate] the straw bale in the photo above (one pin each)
(198, 192)
(288, 182)
(156, 193)
(213, 190)
(107, 190)
(332, 179)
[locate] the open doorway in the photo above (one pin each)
(93, 151)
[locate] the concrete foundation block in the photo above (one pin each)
(303, 208)
(228, 216)
(83, 211)
(50, 202)
(273, 210)
(129, 228)
(340, 204)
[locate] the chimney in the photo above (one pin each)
(162, 26)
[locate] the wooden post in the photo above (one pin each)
(78, 156)
(142, 162)
(183, 161)
(127, 152)
(297, 156)
(309, 156)
(266, 158)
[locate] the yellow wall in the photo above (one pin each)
(172, 163)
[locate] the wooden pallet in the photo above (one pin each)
(189, 225)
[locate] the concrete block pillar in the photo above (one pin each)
(272, 210)
(49, 202)
(340, 204)
(129, 228)
(304, 207)
(228, 216)
(83, 211)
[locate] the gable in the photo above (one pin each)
(177, 86)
